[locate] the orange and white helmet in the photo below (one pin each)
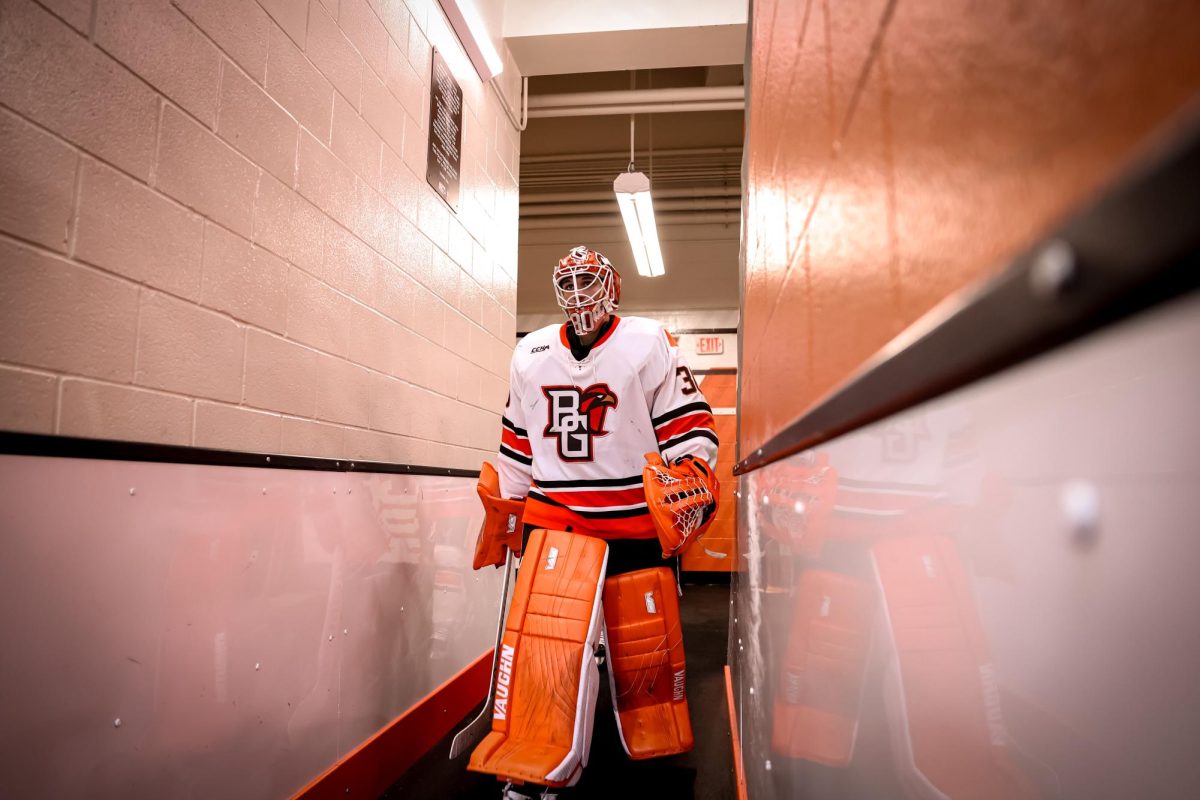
(587, 287)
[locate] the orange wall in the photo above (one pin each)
(720, 390)
(897, 151)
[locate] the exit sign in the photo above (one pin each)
(710, 345)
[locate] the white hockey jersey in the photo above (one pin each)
(575, 433)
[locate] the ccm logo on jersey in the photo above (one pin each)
(576, 417)
(500, 709)
(541, 348)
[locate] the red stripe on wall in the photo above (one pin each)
(379, 762)
(737, 742)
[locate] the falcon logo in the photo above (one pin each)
(576, 417)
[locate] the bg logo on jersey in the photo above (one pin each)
(576, 416)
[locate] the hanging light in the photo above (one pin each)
(468, 25)
(637, 211)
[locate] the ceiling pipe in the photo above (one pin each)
(624, 155)
(660, 169)
(571, 209)
(623, 97)
(596, 197)
(638, 101)
(614, 220)
(523, 122)
(562, 169)
(643, 108)
(660, 181)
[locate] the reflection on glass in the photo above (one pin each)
(872, 602)
(992, 596)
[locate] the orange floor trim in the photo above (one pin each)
(377, 763)
(737, 742)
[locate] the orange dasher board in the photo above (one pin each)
(546, 678)
(646, 663)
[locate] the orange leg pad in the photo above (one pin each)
(546, 679)
(646, 670)
(820, 688)
(941, 694)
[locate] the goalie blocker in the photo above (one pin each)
(561, 603)
(501, 529)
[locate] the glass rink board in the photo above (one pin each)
(175, 630)
(993, 595)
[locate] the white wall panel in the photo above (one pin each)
(247, 627)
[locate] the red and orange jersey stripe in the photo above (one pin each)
(611, 508)
(541, 513)
(598, 500)
(669, 430)
(514, 443)
(878, 499)
(690, 421)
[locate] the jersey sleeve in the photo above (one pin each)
(515, 462)
(683, 420)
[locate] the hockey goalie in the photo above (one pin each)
(605, 470)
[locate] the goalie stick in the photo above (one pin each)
(470, 735)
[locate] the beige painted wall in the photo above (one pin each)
(215, 230)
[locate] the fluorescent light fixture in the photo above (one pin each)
(468, 26)
(633, 198)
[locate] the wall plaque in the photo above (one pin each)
(445, 132)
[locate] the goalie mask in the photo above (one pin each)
(587, 287)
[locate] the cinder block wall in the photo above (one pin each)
(899, 150)
(215, 230)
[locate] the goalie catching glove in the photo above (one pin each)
(501, 521)
(682, 497)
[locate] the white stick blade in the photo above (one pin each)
(471, 735)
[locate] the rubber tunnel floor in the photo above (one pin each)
(706, 773)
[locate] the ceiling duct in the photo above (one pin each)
(638, 101)
(614, 220)
(610, 206)
(535, 199)
(719, 167)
